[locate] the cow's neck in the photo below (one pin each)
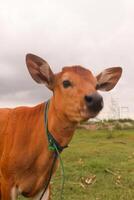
(59, 126)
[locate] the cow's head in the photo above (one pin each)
(75, 89)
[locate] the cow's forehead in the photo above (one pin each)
(73, 71)
(78, 69)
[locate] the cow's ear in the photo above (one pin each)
(40, 70)
(107, 79)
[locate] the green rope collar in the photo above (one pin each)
(54, 146)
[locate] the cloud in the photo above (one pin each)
(95, 34)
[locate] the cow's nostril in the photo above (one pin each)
(89, 99)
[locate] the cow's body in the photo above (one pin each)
(25, 159)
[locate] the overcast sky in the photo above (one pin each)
(96, 34)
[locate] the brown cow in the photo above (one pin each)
(25, 160)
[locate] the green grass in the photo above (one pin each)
(109, 157)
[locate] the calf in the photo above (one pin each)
(25, 159)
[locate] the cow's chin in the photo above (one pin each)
(86, 115)
(81, 115)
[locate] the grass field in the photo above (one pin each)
(98, 166)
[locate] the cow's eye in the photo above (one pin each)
(66, 84)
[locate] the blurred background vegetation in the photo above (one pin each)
(99, 163)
